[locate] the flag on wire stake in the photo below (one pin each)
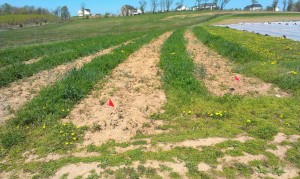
(236, 78)
(110, 103)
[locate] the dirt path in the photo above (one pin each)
(135, 89)
(219, 77)
(18, 93)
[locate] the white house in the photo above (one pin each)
(87, 12)
(206, 6)
(181, 8)
(254, 7)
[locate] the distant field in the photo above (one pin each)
(93, 27)
(153, 96)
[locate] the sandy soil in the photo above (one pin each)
(18, 93)
(135, 89)
(260, 19)
(31, 61)
(196, 144)
(220, 79)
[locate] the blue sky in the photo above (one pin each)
(113, 6)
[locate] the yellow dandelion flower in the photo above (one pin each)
(74, 138)
(72, 133)
(293, 73)
(67, 143)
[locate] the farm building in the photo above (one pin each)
(128, 10)
(253, 7)
(181, 8)
(87, 12)
(206, 6)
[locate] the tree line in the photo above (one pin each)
(7, 9)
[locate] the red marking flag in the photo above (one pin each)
(236, 78)
(110, 103)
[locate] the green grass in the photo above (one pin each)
(274, 60)
(38, 121)
(191, 112)
(74, 50)
(78, 29)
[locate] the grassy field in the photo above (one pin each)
(202, 135)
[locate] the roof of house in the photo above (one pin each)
(128, 6)
(252, 6)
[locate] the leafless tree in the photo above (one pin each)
(254, 2)
(162, 5)
(154, 4)
(223, 3)
(275, 4)
(297, 6)
(290, 5)
(83, 5)
(198, 2)
(168, 4)
(142, 6)
(284, 2)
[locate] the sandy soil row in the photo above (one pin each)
(18, 93)
(135, 89)
(220, 78)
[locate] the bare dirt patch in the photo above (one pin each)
(196, 144)
(219, 77)
(281, 150)
(177, 167)
(28, 62)
(18, 93)
(135, 89)
(79, 169)
(259, 19)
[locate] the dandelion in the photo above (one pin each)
(273, 62)
(190, 112)
(77, 127)
(72, 133)
(293, 73)
(248, 121)
(67, 143)
(74, 138)
(44, 126)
